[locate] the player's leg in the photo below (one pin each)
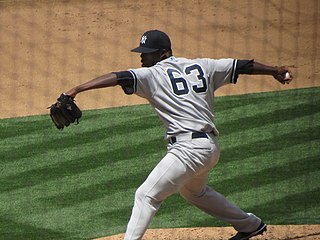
(183, 161)
(208, 200)
(165, 179)
(199, 194)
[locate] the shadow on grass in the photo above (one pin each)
(263, 119)
(65, 140)
(110, 222)
(76, 166)
(19, 127)
(285, 210)
(260, 147)
(273, 175)
(117, 217)
(10, 229)
(95, 191)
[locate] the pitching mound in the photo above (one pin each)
(275, 232)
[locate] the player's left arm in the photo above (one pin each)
(106, 80)
(282, 74)
(124, 79)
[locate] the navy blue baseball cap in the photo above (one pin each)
(152, 41)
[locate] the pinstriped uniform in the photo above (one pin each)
(184, 106)
(182, 93)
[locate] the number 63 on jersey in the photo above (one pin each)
(181, 86)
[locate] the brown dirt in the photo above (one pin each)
(275, 232)
(47, 47)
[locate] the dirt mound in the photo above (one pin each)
(274, 232)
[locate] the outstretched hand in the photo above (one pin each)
(284, 75)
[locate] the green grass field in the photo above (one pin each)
(79, 183)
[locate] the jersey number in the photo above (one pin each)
(180, 85)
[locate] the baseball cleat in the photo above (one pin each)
(245, 235)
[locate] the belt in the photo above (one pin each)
(188, 136)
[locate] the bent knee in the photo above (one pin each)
(142, 196)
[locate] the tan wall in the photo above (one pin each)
(47, 47)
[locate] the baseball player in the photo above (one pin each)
(181, 92)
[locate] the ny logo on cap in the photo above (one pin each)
(143, 39)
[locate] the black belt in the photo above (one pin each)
(194, 135)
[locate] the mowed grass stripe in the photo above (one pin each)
(270, 159)
(73, 138)
(77, 164)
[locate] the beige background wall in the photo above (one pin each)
(47, 47)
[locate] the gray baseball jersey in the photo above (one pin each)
(182, 91)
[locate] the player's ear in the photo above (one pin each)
(164, 54)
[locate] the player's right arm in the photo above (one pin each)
(256, 68)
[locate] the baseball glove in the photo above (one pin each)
(64, 111)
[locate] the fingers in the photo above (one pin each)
(284, 81)
(285, 75)
(288, 77)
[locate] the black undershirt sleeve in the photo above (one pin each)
(244, 67)
(126, 80)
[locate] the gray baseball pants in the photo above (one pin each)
(185, 169)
